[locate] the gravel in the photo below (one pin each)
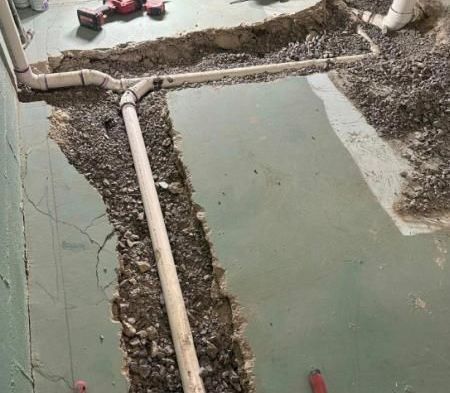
(377, 6)
(95, 143)
(404, 94)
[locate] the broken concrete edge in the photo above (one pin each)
(260, 37)
(239, 323)
(371, 153)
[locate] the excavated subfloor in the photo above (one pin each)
(404, 93)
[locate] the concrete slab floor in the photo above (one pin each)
(58, 29)
(72, 261)
(325, 277)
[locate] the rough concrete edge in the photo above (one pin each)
(161, 50)
(241, 345)
(389, 200)
(57, 119)
(417, 223)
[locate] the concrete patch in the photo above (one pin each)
(325, 277)
(71, 254)
(379, 163)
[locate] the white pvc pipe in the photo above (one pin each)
(177, 80)
(87, 77)
(11, 37)
(49, 81)
(173, 297)
(399, 15)
(179, 324)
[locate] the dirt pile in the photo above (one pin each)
(405, 95)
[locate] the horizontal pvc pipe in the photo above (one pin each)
(176, 80)
(173, 297)
(83, 77)
(25, 74)
(179, 324)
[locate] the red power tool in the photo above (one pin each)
(317, 382)
(155, 7)
(94, 19)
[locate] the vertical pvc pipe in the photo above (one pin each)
(179, 324)
(12, 38)
(400, 14)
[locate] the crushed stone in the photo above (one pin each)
(403, 93)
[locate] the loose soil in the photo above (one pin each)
(404, 93)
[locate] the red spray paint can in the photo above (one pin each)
(317, 382)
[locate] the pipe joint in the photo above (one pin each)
(128, 98)
(29, 78)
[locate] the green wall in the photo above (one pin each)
(15, 374)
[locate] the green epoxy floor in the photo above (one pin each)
(325, 277)
(71, 260)
(58, 29)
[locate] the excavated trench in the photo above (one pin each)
(403, 93)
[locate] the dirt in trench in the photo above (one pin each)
(322, 31)
(89, 129)
(95, 142)
(405, 95)
(397, 94)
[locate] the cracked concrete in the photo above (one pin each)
(72, 261)
(14, 348)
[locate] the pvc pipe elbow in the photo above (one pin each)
(399, 15)
(394, 21)
(29, 78)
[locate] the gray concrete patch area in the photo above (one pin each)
(72, 261)
(324, 276)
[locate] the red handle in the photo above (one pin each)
(317, 382)
(80, 387)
